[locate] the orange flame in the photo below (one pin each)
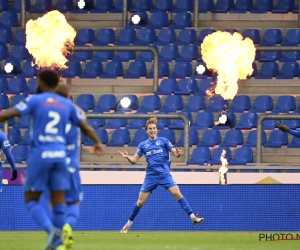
(48, 39)
(230, 57)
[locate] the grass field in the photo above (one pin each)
(150, 241)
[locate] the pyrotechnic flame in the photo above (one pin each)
(48, 39)
(230, 57)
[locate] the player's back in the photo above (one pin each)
(72, 140)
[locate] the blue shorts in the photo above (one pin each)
(152, 181)
(74, 194)
(46, 176)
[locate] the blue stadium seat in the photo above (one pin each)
(277, 139)
(270, 56)
(229, 123)
(296, 7)
(105, 37)
(233, 138)
(182, 20)
(283, 6)
(136, 69)
(20, 153)
(216, 155)
(150, 103)
(137, 123)
(147, 56)
(141, 5)
(144, 20)
(194, 138)
(195, 104)
(9, 19)
(247, 121)
(134, 102)
(42, 6)
(84, 36)
(269, 124)
(263, 103)
(19, 52)
(106, 103)
(17, 98)
(295, 143)
(102, 6)
(253, 34)
(139, 136)
(64, 6)
(178, 123)
(165, 37)
(241, 6)
(186, 86)
(102, 134)
(3, 51)
(5, 35)
(93, 69)
(3, 85)
(159, 20)
(271, 37)
(113, 69)
(16, 68)
(28, 70)
(292, 124)
(168, 53)
(202, 34)
(96, 123)
(20, 38)
(285, 104)
(200, 156)
(23, 122)
(4, 5)
(292, 38)
(73, 70)
(205, 5)
(4, 102)
(183, 6)
(173, 103)
(223, 6)
(262, 6)
(26, 138)
(104, 56)
(204, 120)
(119, 138)
(11, 121)
(186, 37)
(126, 36)
(163, 123)
(188, 53)
(217, 104)
(14, 136)
(146, 36)
(17, 5)
(116, 123)
(17, 86)
(162, 5)
(290, 56)
(204, 85)
(86, 102)
(252, 138)
(182, 69)
(125, 56)
(167, 133)
(289, 70)
(163, 70)
(210, 138)
(268, 70)
(167, 86)
(242, 156)
(241, 103)
(118, 6)
(31, 88)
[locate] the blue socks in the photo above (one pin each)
(134, 212)
(58, 213)
(185, 205)
(39, 215)
(72, 215)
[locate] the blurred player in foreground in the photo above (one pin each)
(47, 169)
(157, 152)
(286, 129)
(4, 146)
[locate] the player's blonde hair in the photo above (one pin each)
(152, 120)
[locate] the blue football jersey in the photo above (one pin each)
(72, 131)
(4, 143)
(157, 153)
(50, 113)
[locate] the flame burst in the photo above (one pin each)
(230, 57)
(48, 39)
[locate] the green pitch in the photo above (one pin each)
(149, 241)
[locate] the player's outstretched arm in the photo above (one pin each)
(177, 152)
(286, 129)
(5, 115)
(132, 159)
(11, 160)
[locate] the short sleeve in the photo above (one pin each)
(4, 141)
(168, 144)
(25, 107)
(139, 151)
(76, 115)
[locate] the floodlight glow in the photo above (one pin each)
(125, 102)
(81, 4)
(200, 69)
(8, 68)
(136, 19)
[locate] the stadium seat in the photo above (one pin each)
(285, 104)
(271, 37)
(146, 36)
(73, 70)
(186, 86)
(262, 6)
(19, 52)
(204, 120)
(163, 70)
(3, 85)
(268, 70)
(16, 68)
(136, 69)
(139, 136)
(233, 138)
(165, 37)
(106, 103)
(269, 124)
(134, 102)
(270, 56)
(84, 36)
(20, 153)
(3, 51)
(93, 69)
(229, 123)
(119, 138)
(172, 103)
(26, 138)
(252, 138)
(204, 85)
(163, 123)
(118, 6)
(17, 5)
(223, 6)
(20, 38)
(82, 55)
(167, 133)
(241, 6)
(292, 124)
(277, 139)
(240, 103)
(182, 6)
(11, 122)
(295, 143)
(137, 123)
(178, 123)
(182, 20)
(283, 6)
(116, 123)
(242, 156)
(162, 5)
(17, 98)
(194, 138)
(150, 103)
(23, 122)
(42, 6)
(4, 5)
(16, 86)
(216, 155)
(104, 56)
(125, 56)
(105, 37)
(96, 123)
(290, 56)
(102, 6)
(113, 69)
(159, 20)
(202, 34)
(167, 86)
(147, 56)
(292, 38)
(186, 37)
(141, 5)
(289, 70)
(263, 103)
(217, 104)
(144, 20)
(4, 102)
(168, 53)
(253, 34)
(210, 138)
(205, 5)
(9, 19)
(86, 102)
(195, 104)
(14, 136)
(126, 36)
(188, 53)
(102, 134)
(247, 121)
(64, 6)
(28, 70)
(31, 88)
(182, 70)
(200, 156)
(5, 35)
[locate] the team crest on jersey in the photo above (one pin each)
(157, 143)
(51, 100)
(147, 145)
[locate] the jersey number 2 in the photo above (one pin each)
(50, 127)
